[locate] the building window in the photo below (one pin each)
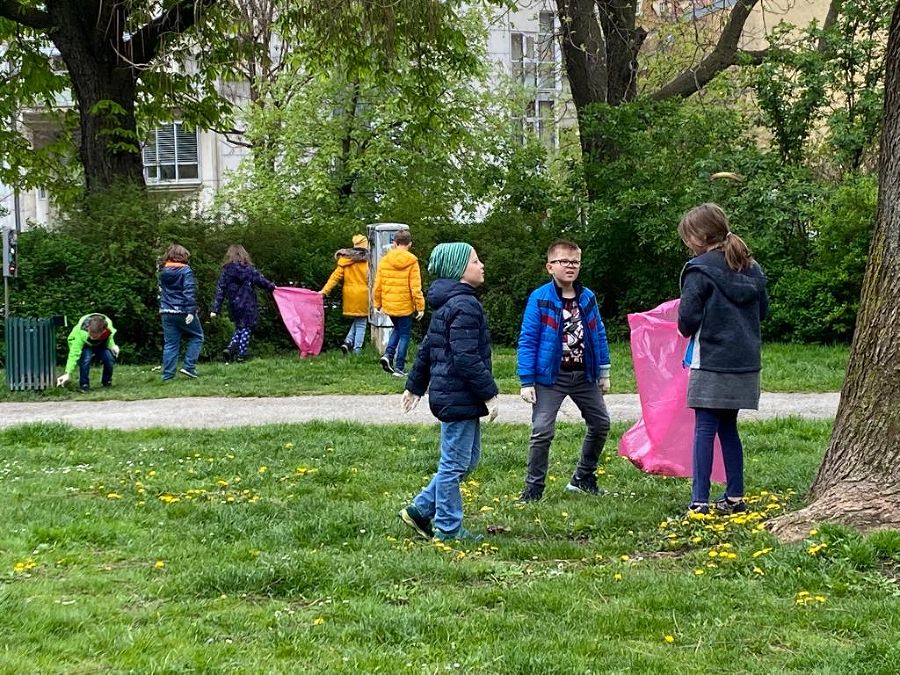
(171, 155)
(535, 67)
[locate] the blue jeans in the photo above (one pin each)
(357, 334)
(709, 422)
(173, 328)
(398, 343)
(84, 365)
(441, 499)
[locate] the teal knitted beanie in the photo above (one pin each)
(449, 261)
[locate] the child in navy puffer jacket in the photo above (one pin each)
(178, 311)
(238, 282)
(454, 364)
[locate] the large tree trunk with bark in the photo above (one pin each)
(858, 482)
(105, 56)
(104, 87)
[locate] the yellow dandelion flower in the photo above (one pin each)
(758, 570)
(262, 469)
(159, 564)
(564, 514)
(762, 551)
(699, 572)
(820, 598)
(114, 495)
(669, 638)
(288, 446)
(617, 577)
(318, 621)
(624, 558)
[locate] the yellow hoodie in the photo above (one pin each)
(398, 284)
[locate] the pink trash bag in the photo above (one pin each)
(662, 439)
(303, 313)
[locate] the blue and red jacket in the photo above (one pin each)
(540, 340)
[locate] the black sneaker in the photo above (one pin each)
(190, 373)
(531, 494)
(415, 521)
(701, 508)
(586, 484)
(345, 348)
(386, 365)
(727, 506)
(399, 373)
(227, 355)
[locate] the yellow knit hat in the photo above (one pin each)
(360, 241)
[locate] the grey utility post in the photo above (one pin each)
(381, 237)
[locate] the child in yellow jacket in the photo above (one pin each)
(353, 268)
(398, 293)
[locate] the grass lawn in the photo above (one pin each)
(786, 367)
(277, 549)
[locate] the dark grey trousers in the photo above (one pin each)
(586, 395)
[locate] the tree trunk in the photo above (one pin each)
(858, 482)
(104, 86)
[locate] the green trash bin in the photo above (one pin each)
(31, 352)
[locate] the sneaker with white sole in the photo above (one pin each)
(586, 484)
(418, 523)
(386, 365)
(190, 373)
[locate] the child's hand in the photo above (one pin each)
(212, 315)
(528, 395)
(493, 406)
(188, 318)
(62, 380)
(603, 383)
(409, 401)
(419, 315)
(115, 350)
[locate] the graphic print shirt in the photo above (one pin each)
(572, 336)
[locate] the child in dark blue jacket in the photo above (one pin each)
(723, 301)
(238, 282)
(563, 352)
(178, 310)
(454, 364)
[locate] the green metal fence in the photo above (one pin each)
(30, 352)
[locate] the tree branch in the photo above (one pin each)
(722, 56)
(834, 10)
(145, 43)
(750, 56)
(26, 16)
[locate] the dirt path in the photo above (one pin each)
(209, 412)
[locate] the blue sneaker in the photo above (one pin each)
(461, 535)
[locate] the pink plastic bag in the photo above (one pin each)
(661, 441)
(303, 313)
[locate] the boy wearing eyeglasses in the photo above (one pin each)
(563, 352)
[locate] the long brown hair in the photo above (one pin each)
(237, 253)
(707, 225)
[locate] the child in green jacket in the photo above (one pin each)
(93, 335)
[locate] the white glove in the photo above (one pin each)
(603, 383)
(62, 380)
(419, 315)
(409, 401)
(528, 394)
(212, 315)
(188, 318)
(493, 406)
(115, 350)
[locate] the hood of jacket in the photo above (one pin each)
(350, 256)
(399, 259)
(238, 270)
(443, 289)
(742, 288)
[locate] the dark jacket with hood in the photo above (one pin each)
(721, 311)
(177, 289)
(455, 356)
(237, 282)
